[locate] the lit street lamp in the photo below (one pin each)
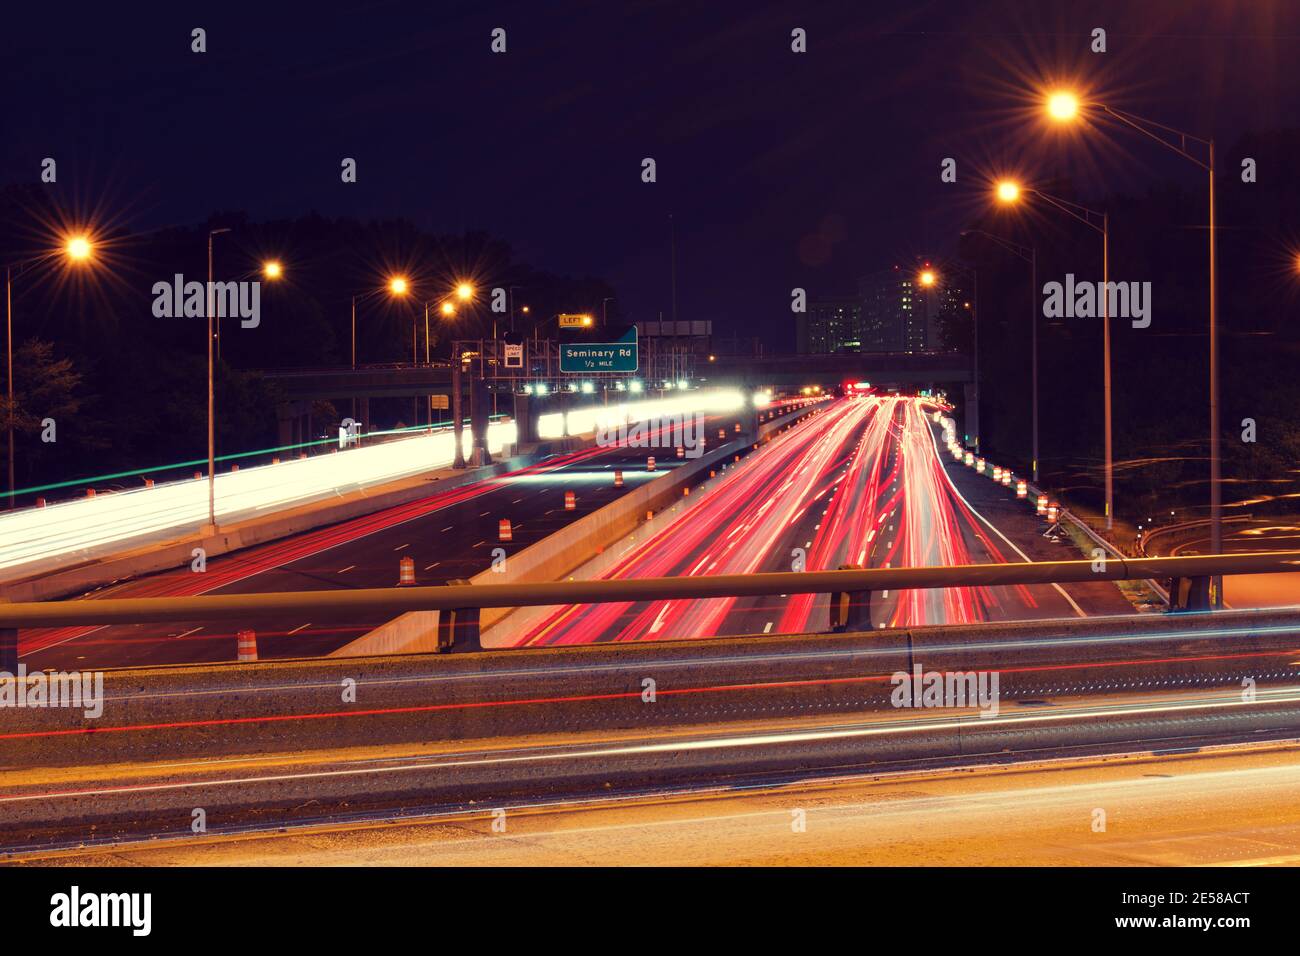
(927, 278)
(1009, 192)
(1064, 106)
(77, 248)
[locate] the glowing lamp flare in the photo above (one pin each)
(1008, 191)
(1062, 106)
(398, 286)
(78, 248)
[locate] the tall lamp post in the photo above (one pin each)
(1030, 255)
(1009, 192)
(1063, 106)
(928, 278)
(77, 249)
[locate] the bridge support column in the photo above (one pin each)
(457, 425)
(478, 422)
(525, 419)
(971, 415)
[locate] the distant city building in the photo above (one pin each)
(901, 314)
(829, 325)
(892, 312)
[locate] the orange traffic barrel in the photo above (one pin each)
(618, 479)
(504, 531)
(406, 571)
(570, 501)
(247, 645)
(650, 463)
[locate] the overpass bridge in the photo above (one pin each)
(892, 368)
(300, 387)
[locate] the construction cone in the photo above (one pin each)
(406, 572)
(247, 645)
(90, 492)
(504, 531)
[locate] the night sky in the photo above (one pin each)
(780, 169)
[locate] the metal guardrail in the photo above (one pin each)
(457, 597)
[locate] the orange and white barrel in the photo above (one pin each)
(247, 645)
(504, 531)
(405, 571)
(570, 501)
(618, 479)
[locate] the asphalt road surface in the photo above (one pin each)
(864, 483)
(449, 535)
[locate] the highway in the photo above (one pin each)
(862, 484)
(448, 535)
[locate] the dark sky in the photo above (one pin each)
(781, 170)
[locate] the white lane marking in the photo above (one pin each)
(767, 629)
(191, 631)
(659, 621)
(348, 568)
(1011, 544)
(432, 566)
(401, 546)
(303, 628)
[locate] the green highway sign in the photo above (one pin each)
(589, 357)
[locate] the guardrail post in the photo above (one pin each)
(1191, 594)
(458, 627)
(850, 610)
(9, 650)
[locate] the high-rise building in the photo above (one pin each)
(903, 314)
(829, 325)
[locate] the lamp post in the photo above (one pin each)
(212, 401)
(76, 248)
(1010, 192)
(1064, 106)
(1030, 255)
(928, 278)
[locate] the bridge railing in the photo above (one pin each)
(850, 589)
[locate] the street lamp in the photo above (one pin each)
(77, 248)
(929, 278)
(1089, 218)
(1030, 255)
(1064, 106)
(272, 270)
